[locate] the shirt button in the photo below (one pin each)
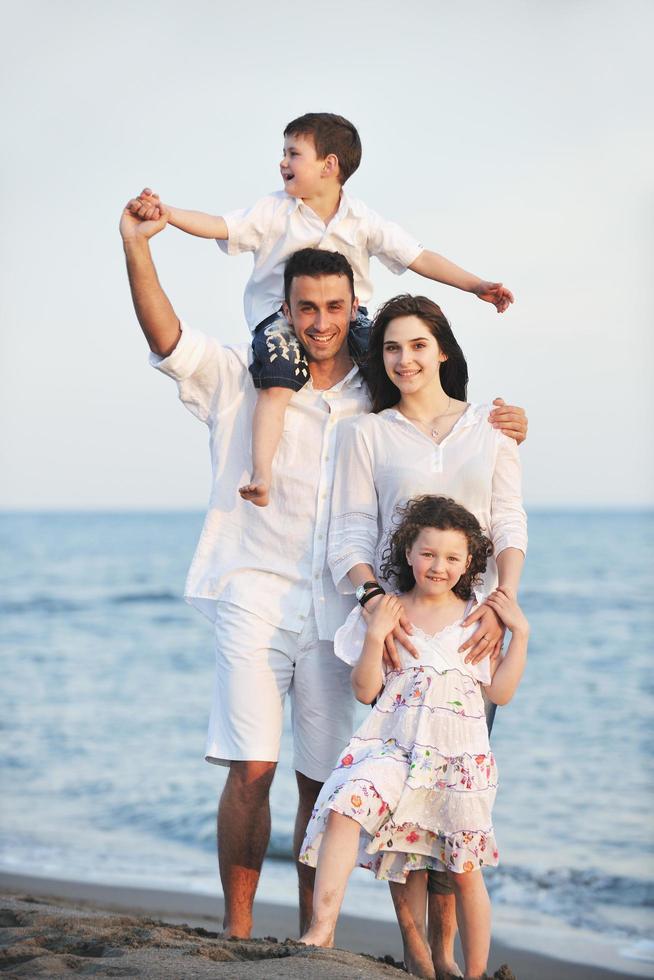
(320, 537)
(316, 576)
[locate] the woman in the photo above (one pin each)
(423, 437)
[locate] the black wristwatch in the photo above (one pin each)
(367, 591)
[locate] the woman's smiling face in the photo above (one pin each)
(412, 356)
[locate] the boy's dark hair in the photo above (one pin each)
(331, 134)
(316, 262)
(453, 372)
(446, 515)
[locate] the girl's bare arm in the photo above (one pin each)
(367, 675)
(510, 667)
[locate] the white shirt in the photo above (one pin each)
(385, 460)
(278, 225)
(268, 560)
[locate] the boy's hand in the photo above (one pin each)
(507, 609)
(146, 206)
(510, 419)
(495, 293)
(133, 227)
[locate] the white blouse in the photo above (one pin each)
(385, 460)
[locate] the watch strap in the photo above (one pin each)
(371, 595)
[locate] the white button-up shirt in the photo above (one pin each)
(385, 460)
(268, 560)
(278, 225)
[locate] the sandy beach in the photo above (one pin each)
(53, 927)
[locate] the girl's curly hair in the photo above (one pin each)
(446, 515)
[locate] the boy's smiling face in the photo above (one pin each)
(300, 167)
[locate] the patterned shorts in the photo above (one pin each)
(279, 359)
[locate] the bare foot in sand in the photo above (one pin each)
(318, 936)
(257, 492)
(417, 960)
(448, 970)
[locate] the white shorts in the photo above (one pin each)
(256, 666)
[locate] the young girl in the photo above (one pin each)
(415, 786)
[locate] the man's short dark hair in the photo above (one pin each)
(316, 262)
(331, 134)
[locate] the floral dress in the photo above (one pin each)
(418, 775)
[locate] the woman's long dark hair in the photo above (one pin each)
(453, 371)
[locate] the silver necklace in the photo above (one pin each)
(433, 432)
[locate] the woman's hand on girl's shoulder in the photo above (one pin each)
(507, 609)
(487, 638)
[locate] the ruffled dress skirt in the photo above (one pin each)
(418, 775)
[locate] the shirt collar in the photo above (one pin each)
(353, 379)
(346, 205)
(469, 417)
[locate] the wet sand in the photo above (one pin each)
(52, 928)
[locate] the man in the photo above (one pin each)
(261, 576)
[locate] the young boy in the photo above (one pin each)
(321, 151)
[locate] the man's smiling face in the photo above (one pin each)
(320, 311)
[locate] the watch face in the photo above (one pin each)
(360, 592)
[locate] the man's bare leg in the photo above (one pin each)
(267, 428)
(410, 901)
(441, 929)
(243, 834)
(308, 791)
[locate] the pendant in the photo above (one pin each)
(434, 433)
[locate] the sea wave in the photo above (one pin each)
(60, 605)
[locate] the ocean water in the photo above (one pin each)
(106, 681)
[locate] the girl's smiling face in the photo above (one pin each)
(412, 357)
(438, 559)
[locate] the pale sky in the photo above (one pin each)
(513, 137)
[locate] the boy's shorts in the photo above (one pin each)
(279, 359)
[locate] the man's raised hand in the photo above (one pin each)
(147, 205)
(133, 226)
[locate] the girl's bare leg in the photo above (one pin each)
(267, 428)
(473, 913)
(410, 901)
(337, 856)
